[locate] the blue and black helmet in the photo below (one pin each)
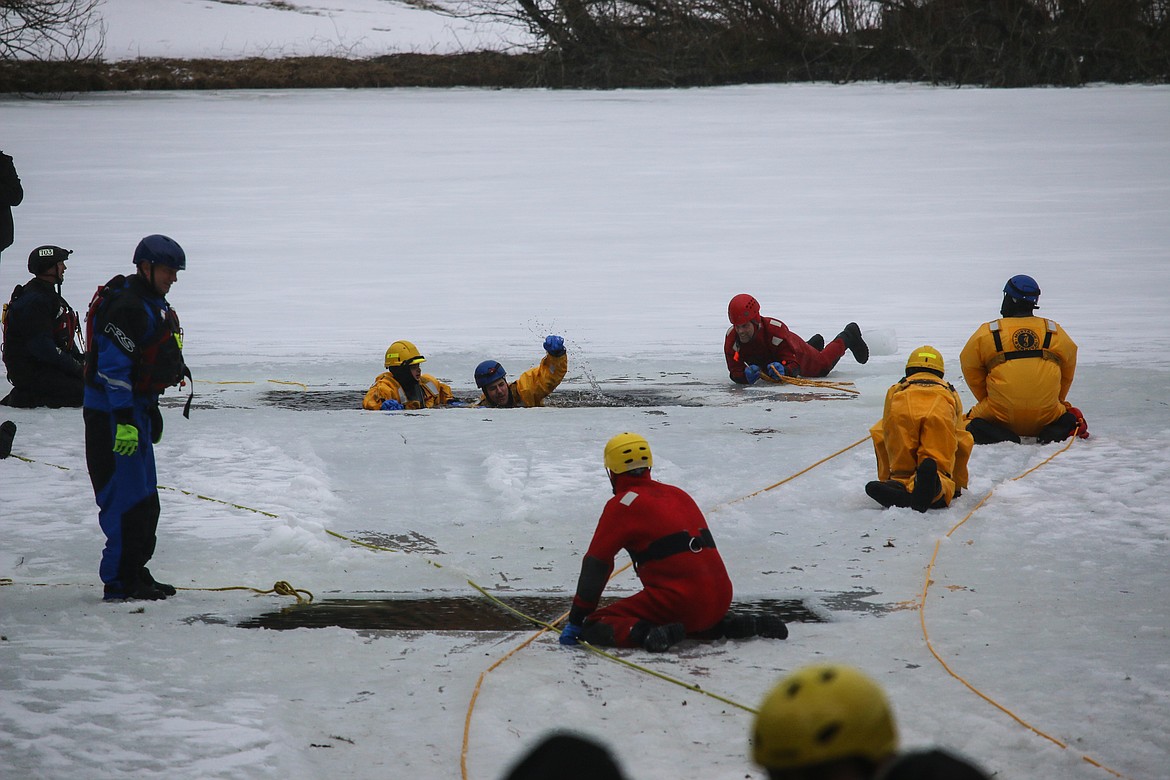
(160, 250)
(488, 372)
(1022, 287)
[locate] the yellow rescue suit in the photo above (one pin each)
(1020, 370)
(386, 387)
(922, 418)
(535, 384)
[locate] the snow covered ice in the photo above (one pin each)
(322, 225)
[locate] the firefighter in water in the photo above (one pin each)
(532, 387)
(761, 347)
(404, 385)
(685, 587)
(41, 330)
(1020, 368)
(921, 442)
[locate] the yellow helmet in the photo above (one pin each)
(626, 452)
(823, 713)
(403, 353)
(926, 357)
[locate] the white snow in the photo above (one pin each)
(322, 225)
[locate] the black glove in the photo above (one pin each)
(156, 423)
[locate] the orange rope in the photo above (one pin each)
(794, 476)
(484, 673)
(952, 672)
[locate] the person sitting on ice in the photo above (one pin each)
(829, 721)
(1020, 368)
(404, 385)
(532, 387)
(41, 350)
(685, 587)
(921, 444)
(757, 346)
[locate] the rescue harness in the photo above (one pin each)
(1024, 350)
(158, 361)
(673, 544)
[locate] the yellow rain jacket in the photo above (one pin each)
(385, 387)
(1020, 370)
(535, 384)
(923, 418)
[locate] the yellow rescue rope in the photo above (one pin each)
(800, 381)
(930, 645)
(792, 477)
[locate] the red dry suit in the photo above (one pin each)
(683, 576)
(774, 342)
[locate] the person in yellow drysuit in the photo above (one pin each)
(921, 444)
(1020, 368)
(404, 385)
(533, 386)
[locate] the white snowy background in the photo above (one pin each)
(322, 225)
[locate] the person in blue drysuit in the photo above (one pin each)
(134, 352)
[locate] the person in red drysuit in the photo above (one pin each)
(685, 587)
(757, 346)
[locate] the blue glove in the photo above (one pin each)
(775, 370)
(751, 374)
(390, 405)
(554, 345)
(570, 634)
(456, 404)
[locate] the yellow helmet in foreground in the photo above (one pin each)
(926, 357)
(626, 452)
(403, 353)
(820, 713)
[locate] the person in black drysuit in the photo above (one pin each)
(41, 353)
(11, 194)
(135, 352)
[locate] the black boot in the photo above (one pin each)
(987, 432)
(7, 434)
(817, 342)
(661, 638)
(926, 486)
(145, 578)
(889, 493)
(1058, 430)
(854, 343)
(742, 625)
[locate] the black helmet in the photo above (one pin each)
(45, 257)
(160, 250)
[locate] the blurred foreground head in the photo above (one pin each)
(565, 756)
(824, 721)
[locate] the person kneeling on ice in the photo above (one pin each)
(833, 722)
(921, 444)
(685, 587)
(533, 386)
(404, 385)
(761, 347)
(41, 352)
(1020, 368)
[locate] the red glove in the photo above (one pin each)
(1082, 426)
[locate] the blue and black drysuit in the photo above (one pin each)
(134, 353)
